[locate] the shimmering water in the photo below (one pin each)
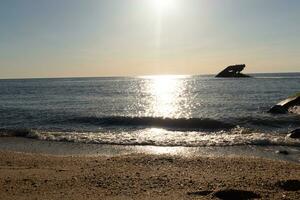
(158, 110)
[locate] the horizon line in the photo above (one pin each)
(131, 76)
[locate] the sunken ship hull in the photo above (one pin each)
(233, 71)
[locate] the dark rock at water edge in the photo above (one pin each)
(278, 109)
(284, 152)
(233, 71)
(295, 134)
(283, 106)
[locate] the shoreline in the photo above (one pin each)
(136, 176)
(27, 145)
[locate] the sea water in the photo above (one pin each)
(189, 111)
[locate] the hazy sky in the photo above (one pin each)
(59, 38)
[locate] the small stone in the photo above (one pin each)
(295, 134)
(284, 152)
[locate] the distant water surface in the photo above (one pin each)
(157, 110)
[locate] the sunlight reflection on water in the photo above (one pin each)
(167, 95)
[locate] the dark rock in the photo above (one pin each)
(284, 152)
(236, 194)
(233, 71)
(295, 134)
(289, 185)
(278, 109)
(283, 106)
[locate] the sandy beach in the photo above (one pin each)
(149, 99)
(40, 176)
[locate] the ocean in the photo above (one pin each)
(172, 111)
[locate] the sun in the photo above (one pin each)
(163, 6)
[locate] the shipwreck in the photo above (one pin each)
(233, 71)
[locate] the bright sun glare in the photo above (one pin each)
(163, 6)
(165, 91)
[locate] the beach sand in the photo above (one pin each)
(41, 176)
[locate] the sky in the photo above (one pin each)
(92, 38)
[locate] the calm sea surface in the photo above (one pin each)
(158, 110)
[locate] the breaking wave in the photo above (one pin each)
(269, 121)
(193, 132)
(187, 124)
(161, 137)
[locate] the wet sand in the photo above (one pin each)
(26, 145)
(140, 176)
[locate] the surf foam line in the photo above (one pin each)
(160, 137)
(186, 124)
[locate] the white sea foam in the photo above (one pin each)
(160, 137)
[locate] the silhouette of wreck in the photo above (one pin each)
(233, 71)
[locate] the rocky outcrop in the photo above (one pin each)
(233, 71)
(295, 134)
(290, 104)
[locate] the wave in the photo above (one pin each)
(161, 137)
(269, 121)
(266, 123)
(27, 133)
(187, 124)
